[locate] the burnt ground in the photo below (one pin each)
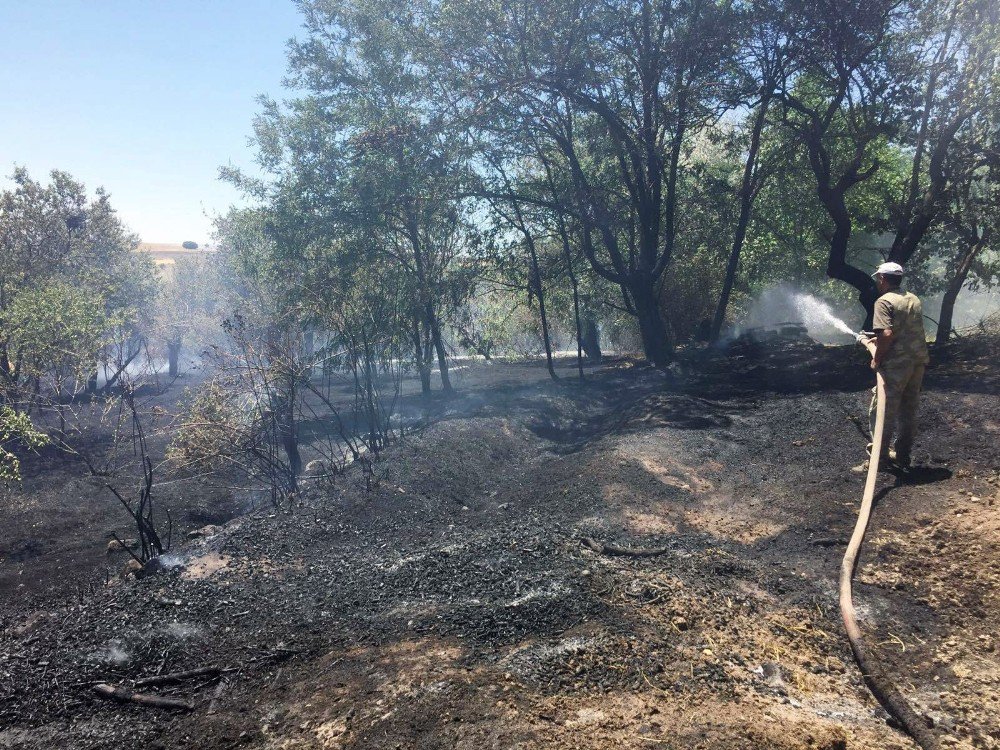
(453, 606)
(56, 524)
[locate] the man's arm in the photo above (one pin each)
(880, 346)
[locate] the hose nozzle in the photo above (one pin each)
(862, 336)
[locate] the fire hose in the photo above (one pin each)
(878, 682)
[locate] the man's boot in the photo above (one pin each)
(886, 464)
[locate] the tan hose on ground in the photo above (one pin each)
(875, 678)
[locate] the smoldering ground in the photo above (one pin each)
(452, 605)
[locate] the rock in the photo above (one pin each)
(33, 621)
(835, 665)
(315, 467)
(131, 568)
(836, 741)
(204, 531)
(771, 673)
(680, 623)
(116, 545)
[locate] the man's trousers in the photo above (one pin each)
(902, 398)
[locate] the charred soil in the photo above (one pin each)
(452, 605)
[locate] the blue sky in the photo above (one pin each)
(145, 97)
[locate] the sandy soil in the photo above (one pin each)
(453, 606)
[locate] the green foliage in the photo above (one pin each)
(16, 430)
(70, 281)
(58, 328)
(429, 146)
(189, 308)
(214, 425)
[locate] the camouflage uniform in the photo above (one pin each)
(902, 369)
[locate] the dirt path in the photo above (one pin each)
(454, 607)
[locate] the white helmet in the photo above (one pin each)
(888, 269)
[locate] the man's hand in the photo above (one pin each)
(867, 340)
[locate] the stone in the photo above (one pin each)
(315, 467)
(204, 531)
(121, 545)
(131, 568)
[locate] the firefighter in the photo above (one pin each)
(899, 351)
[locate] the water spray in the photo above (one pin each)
(816, 313)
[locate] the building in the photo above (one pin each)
(166, 254)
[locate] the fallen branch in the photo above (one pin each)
(124, 695)
(610, 549)
(223, 684)
(173, 677)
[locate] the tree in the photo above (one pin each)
(971, 223)
(872, 74)
(70, 281)
(366, 156)
(762, 59)
(616, 89)
(957, 60)
(511, 211)
(188, 310)
(16, 431)
(841, 97)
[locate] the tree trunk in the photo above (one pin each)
(591, 339)
(577, 321)
(309, 343)
(655, 339)
(442, 355)
(837, 266)
(947, 316)
(568, 255)
(747, 189)
(288, 433)
(173, 358)
(947, 313)
(133, 348)
(535, 277)
(4, 361)
(536, 282)
(423, 365)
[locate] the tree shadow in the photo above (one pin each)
(918, 475)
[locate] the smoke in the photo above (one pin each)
(170, 561)
(113, 654)
(972, 307)
(181, 631)
(783, 304)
